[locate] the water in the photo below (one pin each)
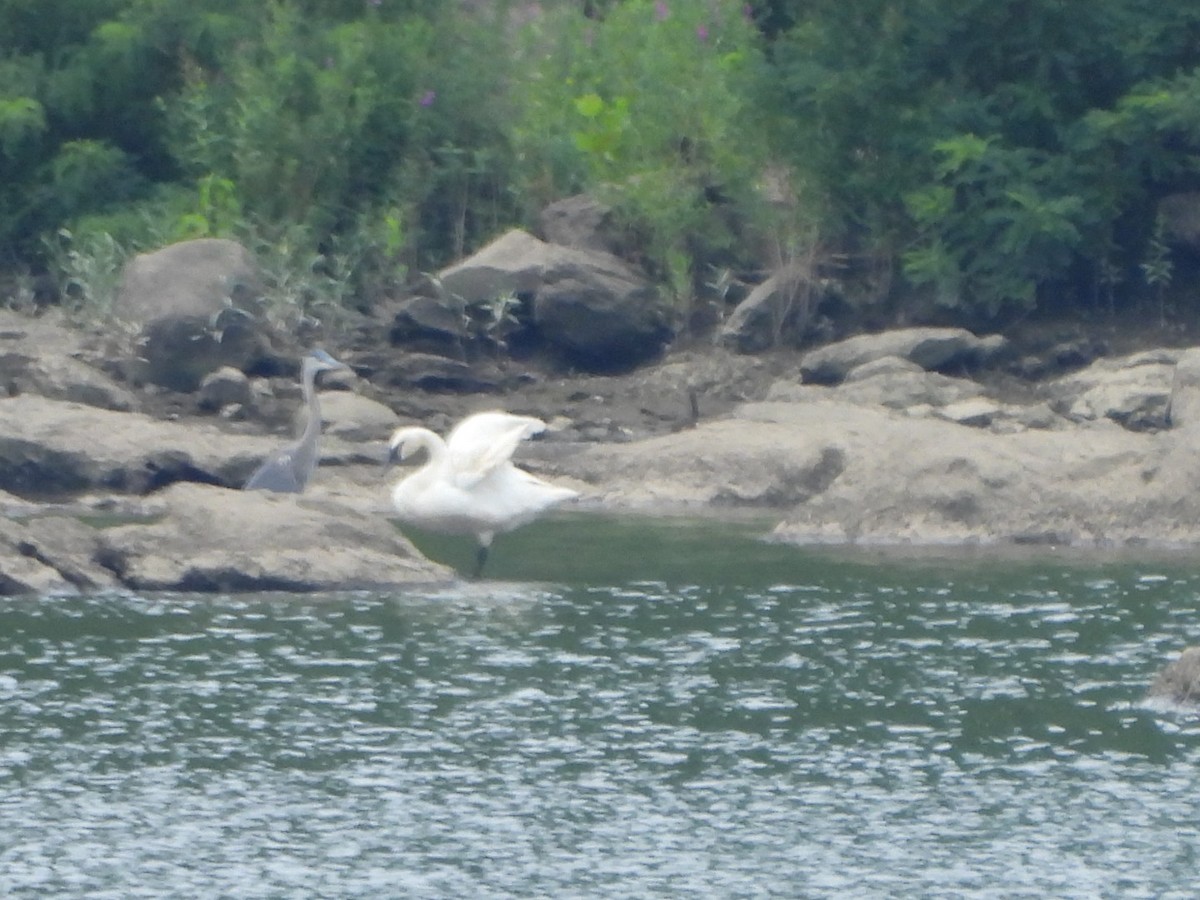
(669, 710)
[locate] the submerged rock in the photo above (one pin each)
(1179, 682)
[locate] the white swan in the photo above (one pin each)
(469, 484)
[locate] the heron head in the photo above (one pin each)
(320, 361)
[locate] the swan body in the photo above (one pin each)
(468, 484)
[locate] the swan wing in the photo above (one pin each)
(482, 442)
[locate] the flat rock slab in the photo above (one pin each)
(839, 472)
(212, 539)
(51, 448)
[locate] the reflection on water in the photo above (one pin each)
(668, 710)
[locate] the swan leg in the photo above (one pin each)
(485, 544)
(480, 560)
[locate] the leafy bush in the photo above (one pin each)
(998, 153)
(1014, 155)
(651, 105)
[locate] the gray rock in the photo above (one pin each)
(908, 389)
(782, 304)
(1179, 681)
(889, 382)
(582, 222)
(908, 479)
(214, 539)
(976, 412)
(353, 417)
(50, 449)
(190, 278)
(929, 348)
(436, 374)
(598, 320)
(1183, 409)
(884, 367)
(42, 356)
(1133, 391)
(50, 555)
(513, 263)
(21, 574)
(225, 387)
(63, 378)
(1038, 415)
(589, 306)
(431, 324)
(184, 297)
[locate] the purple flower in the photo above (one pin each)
(702, 33)
(427, 98)
(375, 3)
(661, 10)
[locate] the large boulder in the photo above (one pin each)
(224, 388)
(1134, 391)
(354, 417)
(854, 473)
(1179, 681)
(588, 306)
(191, 302)
(514, 263)
(212, 539)
(434, 322)
(598, 319)
(50, 449)
(582, 222)
(929, 348)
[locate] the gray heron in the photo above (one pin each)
(287, 470)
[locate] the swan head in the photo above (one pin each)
(407, 441)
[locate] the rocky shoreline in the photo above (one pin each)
(865, 441)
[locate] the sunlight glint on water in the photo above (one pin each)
(790, 725)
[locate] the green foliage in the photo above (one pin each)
(1157, 266)
(1001, 153)
(21, 120)
(1009, 150)
(649, 105)
(989, 230)
(90, 270)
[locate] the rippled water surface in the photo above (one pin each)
(627, 709)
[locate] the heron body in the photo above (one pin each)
(288, 469)
(469, 485)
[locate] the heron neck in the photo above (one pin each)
(307, 445)
(314, 405)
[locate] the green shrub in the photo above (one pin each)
(651, 106)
